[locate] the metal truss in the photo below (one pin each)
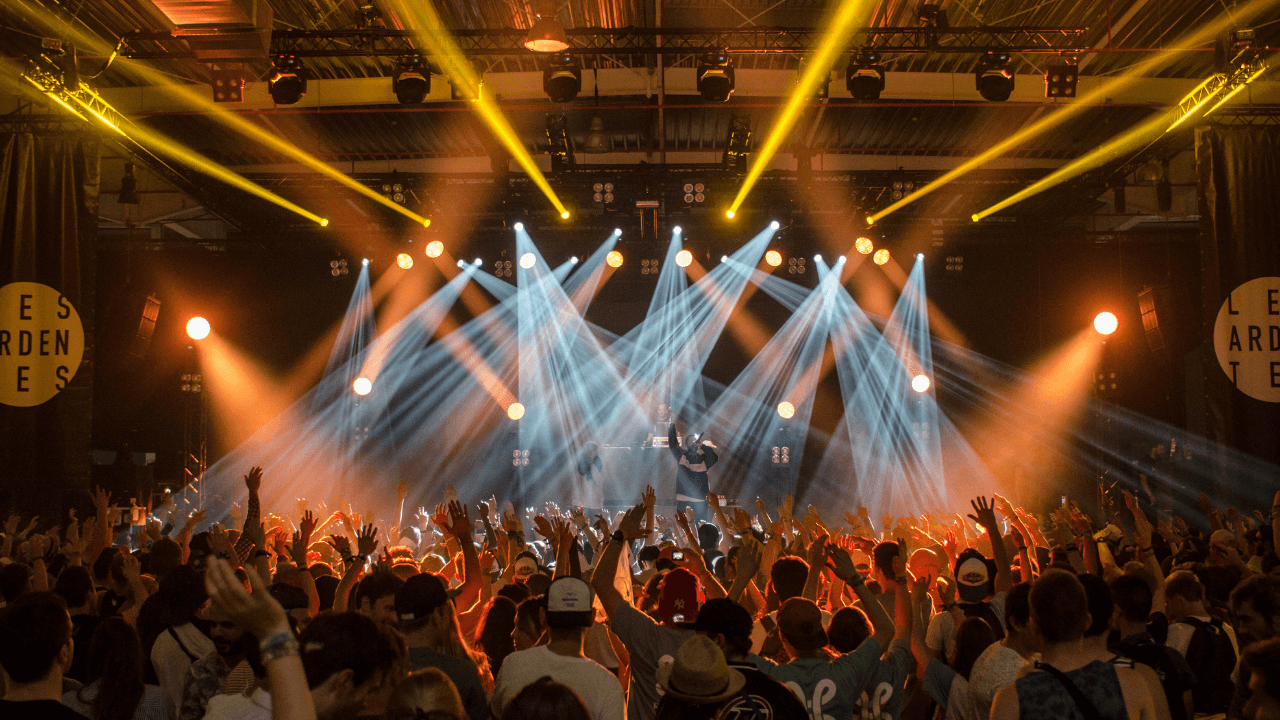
(1248, 115)
(640, 41)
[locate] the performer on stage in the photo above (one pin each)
(590, 492)
(695, 458)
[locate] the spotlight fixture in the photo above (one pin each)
(1060, 78)
(817, 258)
(920, 383)
(597, 141)
(617, 232)
(404, 261)
(412, 81)
(573, 260)
(564, 214)
(546, 35)
(227, 82)
(724, 258)
(435, 249)
(715, 77)
(197, 328)
(786, 410)
(865, 76)
(1105, 323)
(288, 81)
(864, 245)
(677, 230)
(128, 187)
(515, 411)
(479, 262)
(461, 264)
(773, 258)
(562, 78)
(775, 225)
(364, 262)
(881, 257)
(602, 192)
(338, 267)
(684, 258)
(502, 268)
(518, 227)
(694, 193)
(613, 259)
(795, 266)
(932, 15)
(362, 386)
(993, 77)
(528, 260)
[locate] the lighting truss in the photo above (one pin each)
(1220, 88)
(78, 100)
(639, 41)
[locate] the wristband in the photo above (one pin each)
(902, 580)
(280, 645)
(856, 581)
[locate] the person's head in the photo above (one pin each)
(728, 624)
(568, 605)
(698, 675)
(1184, 595)
(1255, 608)
(529, 624)
(883, 557)
(347, 657)
(1101, 606)
(375, 597)
(15, 579)
(545, 699)
(1263, 662)
(972, 637)
(924, 563)
(497, 630)
(849, 628)
(515, 591)
(708, 536)
(538, 583)
(800, 625)
(787, 577)
(35, 638)
(1017, 612)
(1059, 608)
(75, 585)
(115, 659)
(422, 606)
(102, 565)
(225, 634)
(648, 556)
(165, 555)
(975, 576)
(426, 694)
(180, 595)
(1133, 598)
(678, 597)
(294, 601)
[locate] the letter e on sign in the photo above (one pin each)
(41, 343)
(1242, 338)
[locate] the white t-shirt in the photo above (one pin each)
(1180, 635)
(171, 658)
(996, 667)
(239, 707)
(599, 689)
(942, 628)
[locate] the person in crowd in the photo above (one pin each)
(426, 694)
(982, 585)
(695, 458)
(375, 597)
(35, 651)
(497, 632)
(530, 628)
(546, 699)
(428, 619)
(1069, 681)
(115, 690)
(75, 586)
(1263, 660)
(787, 578)
(165, 620)
(226, 670)
(1133, 599)
(1001, 662)
(568, 611)
(699, 683)
(1255, 605)
(1208, 644)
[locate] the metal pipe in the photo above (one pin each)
(662, 88)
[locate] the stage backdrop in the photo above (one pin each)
(48, 229)
(1239, 177)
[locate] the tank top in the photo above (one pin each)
(1040, 695)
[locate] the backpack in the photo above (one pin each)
(983, 610)
(1157, 658)
(1212, 658)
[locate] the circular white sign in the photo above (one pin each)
(1246, 338)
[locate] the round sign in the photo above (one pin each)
(41, 343)
(1246, 338)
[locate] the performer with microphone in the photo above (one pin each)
(696, 457)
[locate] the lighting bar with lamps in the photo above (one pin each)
(1247, 66)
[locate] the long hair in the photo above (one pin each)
(115, 666)
(428, 694)
(972, 637)
(454, 645)
(496, 638)
(546, 699)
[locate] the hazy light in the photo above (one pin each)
(786, 410)
(775, 225)
(684, 258)
(724, 258)
(864, 245)
(528, 260)
(518, 227)
(920, 383)
(197, 328)
(364, 261)
(461, 264)
(1105, 323)
(564, 214)
(881, 257)
(435, 249)
(617, 232)
(515, 411)
(478, 261)
(363, 386)
(840, 259)
(773, 258)
(817, 258)
(919, 256)
(324, 222)
(613, 259)
(574, 259)
(403, 261)
(728, 214)
(426, 222)
(676, 230)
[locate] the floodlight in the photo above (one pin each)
(1105, 323)
(684, 258)
(715, 77)
(613, 259)
(562, 78)
(546, 35)
(528, 260)
(197, 328)
(287, 82)
(775, 225)
(573, 260)
(881, 257)
(362, 386)
(677, 230)
(786, 410)
(412, 81)
(404, 261)
(817, 258)
(564, 214)
(864, 245)
(435, 249)
(479, 261)
(515, 411)
(728, 214)
(773, 258)
(865, 76)
(365, 262)
(617, 232)
(518, 227)
(993, 77)
(920, 383)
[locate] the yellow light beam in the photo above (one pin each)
(1233, 93)
(1099, 94)
(421, 17)
(817, 69)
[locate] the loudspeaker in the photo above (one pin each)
(1165, 312)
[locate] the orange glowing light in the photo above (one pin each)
(920, 383)
(363, 386)
(786, 410)
(881, 257)
(864, 245)
(1105, 323)
(197, 328)
(435, 249)
(684, 258)
(773, 258)
(404, 261)
(515, 411)
(613, 259)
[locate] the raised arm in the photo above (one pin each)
(882, 624)
(607, 567)
(985, 516)
(459, 527)
(673, 441)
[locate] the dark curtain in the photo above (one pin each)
(48, 231)
(1239, 178)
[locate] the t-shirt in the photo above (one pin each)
(827, 688)
(37, 710)
(256, 706)
(996, 667)
(942, 628)
(599, 689)
(153, 706)
(759, 633)
(650, 646)
(175, 649)
(1180, 635)
(885, 695)
(761, 693)
(464, 675)
(951, 692)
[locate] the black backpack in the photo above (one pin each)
(984, 611)
(1157, 658)
(1212, 657)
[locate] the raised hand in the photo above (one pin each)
(153, 530)
(579, 517)
(367, 540)
(985, 515)
(256, 611)
(1004, 506)
(650, 497)
(220, 542)
(631, 522)
(741, 520)
(307, 526)
(787, 503)
(253, 480)
(749, 558)
(197, 517)
(842, 564)
(682, 520)
(713, 501)
(341, 544)
(131, 568)
(30, 526)
(459, 521)
(542, 526)
(818, 550)
(450, 494)
(11, 525)
(402, 491)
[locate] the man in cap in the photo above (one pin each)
(729, 625)
(567, 611)
(982, 583)
(427, 619)
(700, 684)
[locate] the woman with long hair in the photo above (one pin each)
(496, 638)
(115, 690)
(426, 694)
(972, 637)
(546, 699)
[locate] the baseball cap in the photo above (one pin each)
(678, 598)
(721, 616)
(569, 603)
(973, 577)
(420, 596)
(526, 565)
(669, 553)
(800, 622)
